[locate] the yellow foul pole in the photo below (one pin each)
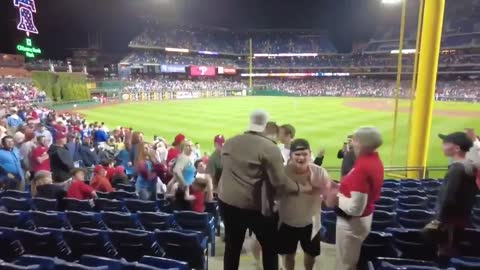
(399, 79)
(250, 64)
(415, 65)
(427, 76)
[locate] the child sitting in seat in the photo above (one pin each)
(99, 181)
(78, 189)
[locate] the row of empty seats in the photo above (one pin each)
(131, 245)
(89, 262)
(460, 263)
(141, 221)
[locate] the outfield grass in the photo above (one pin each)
(325, 122)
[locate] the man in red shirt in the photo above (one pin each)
(40, 159)
(358, 192)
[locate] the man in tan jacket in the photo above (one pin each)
(252, 173)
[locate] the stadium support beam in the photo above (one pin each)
(431, 36)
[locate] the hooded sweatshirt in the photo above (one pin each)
(61, 163)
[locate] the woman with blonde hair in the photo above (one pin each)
(146, 184)
(42, 186)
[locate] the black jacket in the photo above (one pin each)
(347, 162)
(457, 194)
(61, 163)
(88, 155)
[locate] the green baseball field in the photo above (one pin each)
(325, 122)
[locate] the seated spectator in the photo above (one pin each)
(99, 181)
(108, 165)
(119, 176)
(43, 187)
(78, 189)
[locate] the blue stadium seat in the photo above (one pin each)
(56, 220)
(155, 221)
(76, 266)
(413, 202)
(40, 243)
(120, 195)
(432, 186)
(390, 193)
(164, 263)
(77, 205)
(9, 266)
(409, 183)
(383, 220)
(10, 248)
(16, 220)
(412, 192)
(135, 205)
(187, 247)
(42, 204)
(386, 204)
(398, 263)
(432, 201)
(110, 205)
(213, 209)
(394, 184)
(82, 243)
(377, 244)
(80, 220)
(133, 246)
(45, 263)
(465, 263)
(329, 224)
(121, 221)
(411, 244)
(16, 204)
(164, 206)
(16, 194)
(112, 264)
(124, 187)
(203, 222)
(414, 219)
(104, 195)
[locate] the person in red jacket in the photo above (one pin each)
(358, 192)
(78, 189)
(100, 182)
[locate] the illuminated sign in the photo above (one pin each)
(28, 49)
(202, 71)
(285, 54)
(177, 50)
(227, 71)
(172, 68)
(280, 75)
(26, 9)
(208, 52)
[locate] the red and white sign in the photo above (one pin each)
(202, 71)
(227, 71)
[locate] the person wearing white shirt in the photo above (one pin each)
(474, 153)
(286, 136)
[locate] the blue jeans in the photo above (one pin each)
(147, 194)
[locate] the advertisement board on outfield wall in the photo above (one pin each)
(202, 71)
(227, 71)
(172, 69)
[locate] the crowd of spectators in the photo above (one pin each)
(468, 90)
(225, 41)
(179, 85)
(21, 93)
(354, 60)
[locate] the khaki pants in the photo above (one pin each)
(350, 235)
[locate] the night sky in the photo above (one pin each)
(65, 24)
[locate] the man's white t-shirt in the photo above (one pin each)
(285, 153)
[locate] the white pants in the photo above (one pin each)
(350, 235)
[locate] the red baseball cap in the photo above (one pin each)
(219, 139)
(179, 139)
(60, 135)
(98, 169)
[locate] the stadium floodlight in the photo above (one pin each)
(392, 2)
(177, 50)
